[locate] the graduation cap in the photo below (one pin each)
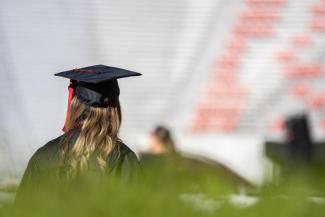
(96, 85)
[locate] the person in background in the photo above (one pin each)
(163, 159)
(161, 141)
(162, 151)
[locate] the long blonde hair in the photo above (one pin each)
(99, 132)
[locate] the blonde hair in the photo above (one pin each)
(99, 132)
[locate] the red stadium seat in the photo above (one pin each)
(228, 60)
(285, 56)
(277, 125)
(224, 75)
(256, 30)
(317, 101)
(319, 9)
(303, 70)
(258, 15)
(220, 107)
(301, 40)
(322, 124)
(318, 25)
(266, 2)
(300, 90)
(237, 44)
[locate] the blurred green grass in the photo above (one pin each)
(175, 191)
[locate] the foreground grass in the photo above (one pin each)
(174, 191)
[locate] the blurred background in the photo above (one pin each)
(222, 75)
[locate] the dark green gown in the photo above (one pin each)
(46, 164)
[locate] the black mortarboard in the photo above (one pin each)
(97, 85)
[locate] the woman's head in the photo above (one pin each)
(162, 141)
(99, 131)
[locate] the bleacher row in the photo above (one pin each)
(263, 23)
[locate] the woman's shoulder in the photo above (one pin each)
(50, 147)
(47, 152)
(122, 153)
(124, 149)
(124, 161)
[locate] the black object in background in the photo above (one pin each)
(298, 146)
(298, 138)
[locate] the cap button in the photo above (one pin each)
(106, 100)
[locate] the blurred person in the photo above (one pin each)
(161, 144)
(163, 157)
(161, 141)
(161, 147)
(90, 141)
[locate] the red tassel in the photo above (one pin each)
(71, 90)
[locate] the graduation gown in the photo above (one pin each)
(45, 164)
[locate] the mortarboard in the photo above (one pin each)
(96, 85)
